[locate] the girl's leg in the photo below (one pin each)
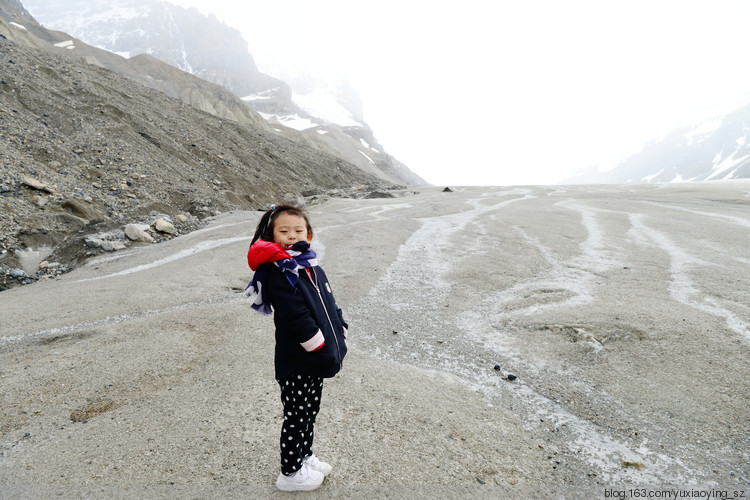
(312, 406)
(300, 396)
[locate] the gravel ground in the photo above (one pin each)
(621, 310)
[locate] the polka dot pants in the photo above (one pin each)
(300, 396)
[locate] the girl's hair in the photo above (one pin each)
(264, 231)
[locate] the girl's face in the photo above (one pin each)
(288, 229)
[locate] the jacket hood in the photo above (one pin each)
(263, 251)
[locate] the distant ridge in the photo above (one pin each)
(714, 149)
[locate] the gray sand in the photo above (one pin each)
(623, 311)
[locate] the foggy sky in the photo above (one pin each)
(477, 92)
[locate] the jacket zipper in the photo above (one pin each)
(322, 302)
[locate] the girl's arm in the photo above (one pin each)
(291, 311)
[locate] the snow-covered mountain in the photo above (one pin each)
(183, 38)
(200, 45)
(328, 116)
(717, 148)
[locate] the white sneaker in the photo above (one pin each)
(315, 464)
(305, 479)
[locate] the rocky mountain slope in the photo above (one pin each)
(717, 148)
(183, 38)
(87, 149)
(208, 48)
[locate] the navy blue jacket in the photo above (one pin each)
(299, 312)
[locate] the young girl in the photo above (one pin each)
(310, 333)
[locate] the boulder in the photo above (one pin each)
(93, 242)
(18, 273)
(135, 233)
(163, 226)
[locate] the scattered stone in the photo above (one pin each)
(163, 226)
(93, 242)
(18, 273)
(504, 374)
(135, 233)
(181, 218)
(35, 184)
(79, 209)
(379, 194)
(41, 201)
(631, 462)
(109, 241)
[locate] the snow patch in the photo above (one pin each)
(678, 178)
(368, 158)
(322, 103)
(261, 96)
(728, 166)
(21, 26)
(68, 44)
(702, 129)
(292, 121)
(651, 177)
